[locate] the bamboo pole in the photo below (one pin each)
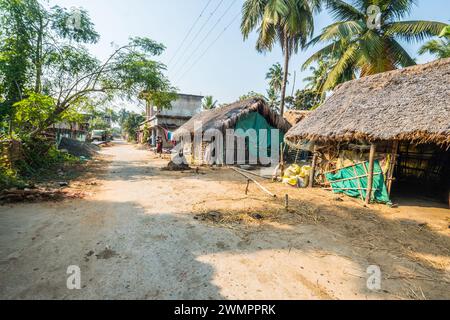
(346, 167)
(254, 174)
(392, 166)
(313, 168)
(282, 167)
(373, 149)
(349, 189)
(256, 182)
(354, 178)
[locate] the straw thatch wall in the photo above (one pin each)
(411, 104)
(226, 117)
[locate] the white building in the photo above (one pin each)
(160, 122)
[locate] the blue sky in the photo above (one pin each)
(231, 67)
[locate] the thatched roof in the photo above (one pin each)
(295, 116)
(409, 104)
(226, 117)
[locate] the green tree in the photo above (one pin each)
(41, 51)
(287, 22)
(439, 48)
(365, 48)
(209, 103)
(252, 94)
(30, 35)
(305, 100)
(273, 99)
(131, 125)
(275, 77)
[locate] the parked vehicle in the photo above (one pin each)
(98, 136)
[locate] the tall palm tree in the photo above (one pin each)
(273, 99)
(275, 77)
(440, 48)
(287, 22)
(209, 103)
(363, 49)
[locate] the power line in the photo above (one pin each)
(206, 37)
(201, 29)
(190, 31)
(209, 47)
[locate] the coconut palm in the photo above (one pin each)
(209, 103)
(289, 23)
(364, 48)
(439, 48)
(273, 99)
(275, 77)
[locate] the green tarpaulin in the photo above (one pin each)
(257, 122)
(353, 182)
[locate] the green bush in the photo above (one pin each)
(10, 179)
(40, 156)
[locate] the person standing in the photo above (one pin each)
(159, 146)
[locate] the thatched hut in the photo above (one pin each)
(295, 116)
(248, 114)
(402, 116)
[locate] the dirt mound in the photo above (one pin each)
(78, 148)
(176, 167)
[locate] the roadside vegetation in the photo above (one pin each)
(48, 76)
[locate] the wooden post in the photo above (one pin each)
(313, 168)
(373, 149)
(390, 176)
(286, 202)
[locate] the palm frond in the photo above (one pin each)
(341, 10)
(324, 52)
(398, 9)
(252, 13)
(399, 54)
(348, 58)
(342, 29)
(414, 30)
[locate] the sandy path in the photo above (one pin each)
(156, 250)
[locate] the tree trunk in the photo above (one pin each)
(38, 57)
(285, 75)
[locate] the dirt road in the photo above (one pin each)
(136, 238)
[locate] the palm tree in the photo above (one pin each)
(366, 50)
(287, 22)
(273, 99)
(275, 75)
(439, 48)
(209, 103)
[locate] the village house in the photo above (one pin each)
(164, 122)
(253, 113)
(383, 134)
